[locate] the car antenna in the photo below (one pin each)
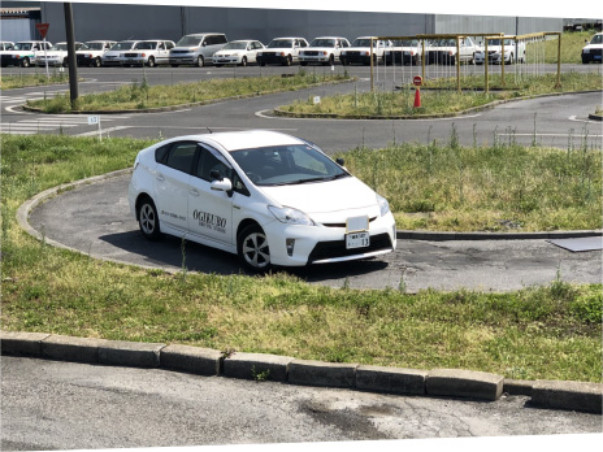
(209, 130)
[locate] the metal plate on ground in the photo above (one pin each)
(579, 244)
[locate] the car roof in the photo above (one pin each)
(245, 139)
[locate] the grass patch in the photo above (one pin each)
(497, 188)
(141, 95)
(550, 333)
(441, 97)
(24, 80)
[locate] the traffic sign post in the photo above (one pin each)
(43, 30)
(417, 81)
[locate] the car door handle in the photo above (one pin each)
(194, 192)
(160, 177)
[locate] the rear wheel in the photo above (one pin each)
(253, 249)
(148, 219)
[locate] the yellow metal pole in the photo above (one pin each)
(458, 65)
(371, 57)
(486, 64)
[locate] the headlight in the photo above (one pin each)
(585, 50)
(383, 205)
(291, 216)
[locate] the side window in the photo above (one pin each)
(181, 156)
(209, 166)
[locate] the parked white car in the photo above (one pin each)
(444, 51)
(6, 45)
(271, 198)
(240, 52)
(404, 51)
(515, 51)
(114, 56)
(360, 51)
(593, 50)
(23, 53)
(324, 50)
(197, 49)
(283, 51)
(91, 52)
(56, 56)
(151, 52)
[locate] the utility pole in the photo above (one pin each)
(71, 56)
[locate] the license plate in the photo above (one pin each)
(357, 240)
(597, 57)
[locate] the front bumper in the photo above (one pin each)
(321, 244)
(227, 60)
(271, 58)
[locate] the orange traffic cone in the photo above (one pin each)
(417, 98)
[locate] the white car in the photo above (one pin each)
(91, 52)
(270, 198)
(240, 52)
(56, 56)
(515, 51)
(404, 51)
(150, 52)
(114, 56)
(593, 50)
(23, 53)
(360, 51)
(323, 50)
(284, 51)
(444, 51)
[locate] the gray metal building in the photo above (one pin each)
(123, 21)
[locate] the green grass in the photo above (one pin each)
(552, 332)
(451, 187)
(38, 79)
(141, 95)
(440, 96)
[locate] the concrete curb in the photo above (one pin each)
(564, 395)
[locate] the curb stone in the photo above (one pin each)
(257, 366)
(564, 395)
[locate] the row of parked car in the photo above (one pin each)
(200, 49)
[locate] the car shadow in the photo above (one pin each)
(169, 252)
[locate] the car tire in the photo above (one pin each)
(200, 61)
(253, 251)
(288, 61)
(25, 62)
(148, 220)
(97, 62)
(244, 61)
(151, 62)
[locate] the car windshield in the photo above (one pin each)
(597, 39)
(60, 46)
(322, 42)
(406, 43)
(235, 46)
(496, 42)
(93, 46)
(446, 43)
(23, 46)
(363, 42)
(146, 45)
(287, 165)
(123, 46)
(280, 44)
(189, 41)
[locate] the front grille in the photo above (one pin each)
(311, 53)
(130, 55)
(334, 249)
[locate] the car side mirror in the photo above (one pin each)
(340, 161)
(224, 185)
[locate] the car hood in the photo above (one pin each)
(319, 49)
(331, 201)
(230, 52)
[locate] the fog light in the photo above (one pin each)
(290, 243)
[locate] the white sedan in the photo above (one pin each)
(241, 52)
(271, 198)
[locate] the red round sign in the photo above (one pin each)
(417, 80)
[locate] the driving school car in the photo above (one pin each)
(270, 198)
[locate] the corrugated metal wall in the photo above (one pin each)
(110, 21)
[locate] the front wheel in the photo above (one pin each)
(244, 61)
(25, 62)
(253, 249)
(148, 219)
(200, 61)
(151, 62)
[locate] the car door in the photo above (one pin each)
(172, 181)
(209, 210)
